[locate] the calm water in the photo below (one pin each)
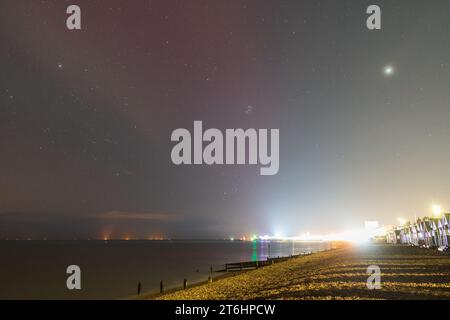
(37, 269)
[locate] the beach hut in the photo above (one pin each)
(420, 232)
(404, 235)
(427, 235)
(445, 222)
(443, 229)
(390, 236)
(415, 235)
(409, 233)
(434, 232)
(441, 233)
(397, 236)
(394, 236)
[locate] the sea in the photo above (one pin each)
(113, 269)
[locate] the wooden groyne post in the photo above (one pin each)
(210, 274)
(139, 289)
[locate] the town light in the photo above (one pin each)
(437, 210)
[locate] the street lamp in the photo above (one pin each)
(437, 210)
(388, 70)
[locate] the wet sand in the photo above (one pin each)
(406, 273)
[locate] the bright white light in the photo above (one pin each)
(388, 70)
(359, 236)
(437, 210)
(401, 221)
(278, 235)
(371, 225)
(356, 236)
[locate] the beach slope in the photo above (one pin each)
(406, 273)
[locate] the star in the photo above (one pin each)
(60, 66)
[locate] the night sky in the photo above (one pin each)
(86, 116)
